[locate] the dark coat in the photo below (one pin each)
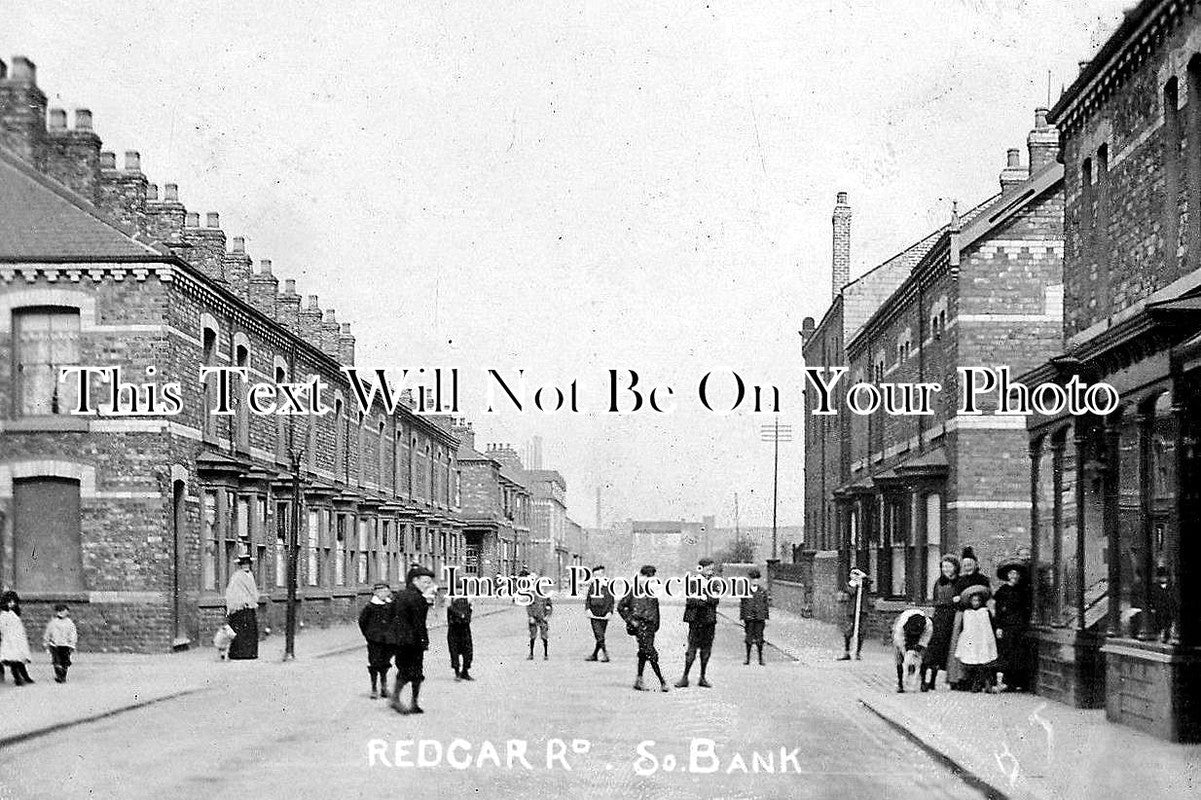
(600, 602)
(701, 610)
(939, 648)
(409, 610)
(641, 611)
(458, 612)
(1013, 605)
(756, 606)
(977, 578)
(375, 621)
(539, 608)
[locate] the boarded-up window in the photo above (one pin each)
(46, 529)
(46, 340)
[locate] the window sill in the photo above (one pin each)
(49, 423)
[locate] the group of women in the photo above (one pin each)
(1010, 610)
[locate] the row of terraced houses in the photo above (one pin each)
(1086, 263)
(137, 521)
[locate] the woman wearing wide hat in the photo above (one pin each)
(969, 575)
(1012, 616)
(241, 607)
(943, 596)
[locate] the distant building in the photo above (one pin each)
(549, 554)
(496, 506)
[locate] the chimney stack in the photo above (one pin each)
(842, 243)
(263, 288)
(122, 192)
(311, 320)
(237, 268)
(73, 155)
(208, 245)
(329, 333)
(23, 110)
(165, 219)
(346, 346)
(1043, 142)
(1014, 173)
(287, 307)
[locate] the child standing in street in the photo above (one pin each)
(60, 640)
(375, 621)
(14, 644)
(458, 636)
(754, 611)
(641, 615)
(977, 645)
(539, 611)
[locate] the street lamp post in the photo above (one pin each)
(293, 556)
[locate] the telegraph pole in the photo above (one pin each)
(775, 433)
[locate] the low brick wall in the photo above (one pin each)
(791, 596)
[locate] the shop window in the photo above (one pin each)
(45, 340)
(47, 556)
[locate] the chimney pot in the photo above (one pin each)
(346, 329)
(841, 198)
(58, 119)
(1013, 158)
(239, 245)
(23, 70)
(171, 193)
(212, 220)
(313, 301)
(1040, 117)
(330, 316)
(191, 219)
(108, 160)
(265, 266)
(133, 161)
(152, 191)
(83, 119)
(290, 286)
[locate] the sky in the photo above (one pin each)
(568, 188)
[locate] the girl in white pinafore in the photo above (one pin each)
(977, 645)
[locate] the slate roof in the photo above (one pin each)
(40, 219)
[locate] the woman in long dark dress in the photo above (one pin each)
(241, 602)
(1012, 617)
(969, 575)
(943, 594)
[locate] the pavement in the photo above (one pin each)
(101, 685)
(523, 728)
(187, 725)
(1013, 745)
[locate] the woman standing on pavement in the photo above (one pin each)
(943, 594)
(1013, 606)
(14, 644)
(969, 576)
(241, 606)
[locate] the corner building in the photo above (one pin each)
(137, 521)
(1116, 498)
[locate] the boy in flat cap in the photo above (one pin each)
(409, 610)
(375, 621)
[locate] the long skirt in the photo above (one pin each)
(246, 625)
(939, 648)
(1015, 657)
(955, 670)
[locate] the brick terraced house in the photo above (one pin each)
(1116, 500)
(137, 520)
(496, 506)
(892, 493)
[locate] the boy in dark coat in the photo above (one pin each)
(641, 615)
(458, 637)
(753, 612)
(375, 621)
(538, 612)
(701, 615)
(409, 610)
(599, 602)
